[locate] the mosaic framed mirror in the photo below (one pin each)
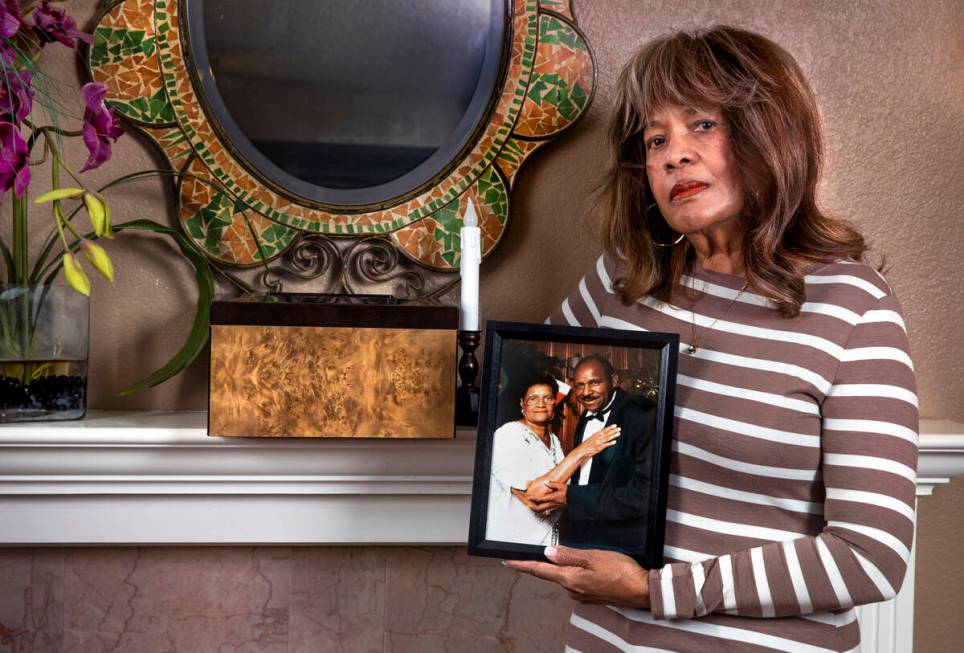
(338, 144)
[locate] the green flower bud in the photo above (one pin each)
(108, 230)
(97, 213)
(98, 258)
(59, 194)
(75, 274)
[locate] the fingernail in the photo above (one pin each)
(505, 563)
(550, 551)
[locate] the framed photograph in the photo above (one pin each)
(574, 441)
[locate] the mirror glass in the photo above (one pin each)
(347, 103)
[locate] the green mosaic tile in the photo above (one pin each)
(207, 225)
(554, 90)
(553, 31)
(113, 45)
(492, 191)
(448, 229)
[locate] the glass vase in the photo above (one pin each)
(43, 353)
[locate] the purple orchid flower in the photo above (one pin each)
(16, 96)
(101, 125)
(14, 170)
(53, 24)
(9, 18)
(8, 56)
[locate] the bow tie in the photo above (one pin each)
(600, 416)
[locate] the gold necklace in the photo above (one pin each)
(694, 334)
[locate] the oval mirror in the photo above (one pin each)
(348, 103)
(315, 139)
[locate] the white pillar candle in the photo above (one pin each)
(469, 269)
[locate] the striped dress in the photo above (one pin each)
(794, 456)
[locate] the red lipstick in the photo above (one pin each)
(686, 189)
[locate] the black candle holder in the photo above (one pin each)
(467, 394)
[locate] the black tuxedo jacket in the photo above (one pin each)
(610, 511)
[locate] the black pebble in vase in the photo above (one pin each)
(45, 398)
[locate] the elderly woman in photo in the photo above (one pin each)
(526, 449)
(793, 465)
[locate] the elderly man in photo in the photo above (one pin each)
(607, 502)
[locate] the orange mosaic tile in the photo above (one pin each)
(562, 81)
(434, 241)
(514, 154)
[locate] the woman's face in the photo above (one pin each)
(690, 168)
(538, 404)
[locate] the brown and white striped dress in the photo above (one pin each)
(792, 484)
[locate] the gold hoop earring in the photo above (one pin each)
(655, 244)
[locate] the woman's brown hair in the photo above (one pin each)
(776, 141)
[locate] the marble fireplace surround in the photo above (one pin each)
(156, 478)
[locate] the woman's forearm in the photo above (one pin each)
(568, 466)
(589, 448)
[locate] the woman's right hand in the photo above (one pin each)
(599, 441)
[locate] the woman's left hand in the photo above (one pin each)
(592, 576)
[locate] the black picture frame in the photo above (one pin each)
(502, 337)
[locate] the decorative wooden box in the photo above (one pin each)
(358, 366)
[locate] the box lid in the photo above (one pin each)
(319, 309)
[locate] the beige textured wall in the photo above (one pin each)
(887, 76)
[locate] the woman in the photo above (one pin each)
(523, 450)
(792, 481)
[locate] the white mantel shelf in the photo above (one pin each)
(158, 478)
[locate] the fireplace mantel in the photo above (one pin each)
(157, 478)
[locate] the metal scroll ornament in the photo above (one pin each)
(361, 266)
(276, 238)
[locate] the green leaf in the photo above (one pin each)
(8, 259)
(198, 336)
